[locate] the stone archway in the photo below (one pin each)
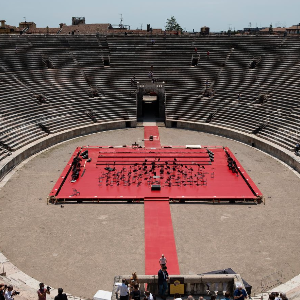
(157, 89)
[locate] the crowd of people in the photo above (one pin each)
(277, 296)
(130, 291)
(7, 292)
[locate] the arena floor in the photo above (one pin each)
(81, 247)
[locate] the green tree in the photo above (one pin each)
(172, 24)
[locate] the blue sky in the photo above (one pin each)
(217, 14)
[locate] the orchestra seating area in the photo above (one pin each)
(53, 83)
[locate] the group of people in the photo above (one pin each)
(42, 293)
(207, 53)
(7, 292)
(277, 296)
(239, 294)
(131, 291)
(163, 277)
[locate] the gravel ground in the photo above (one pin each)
(81, 247)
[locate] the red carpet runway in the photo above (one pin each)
(159, 237)
(151, 131)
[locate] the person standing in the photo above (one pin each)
(227, 296)
(9, 293)
(277, 297)
(2, 291)
(297, 148)
(283, 296)
(60, 295)
(162, 261)
(148, 295)
(42, 292)
(123, 288)
(135, 294)
(163, 278)
(239, 293)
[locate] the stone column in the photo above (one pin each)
(212, 287)
(201, 288)
(220, 288)
(161, 100)
(188, 288)
(142, 288)
(139, 101)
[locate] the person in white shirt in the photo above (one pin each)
(148, 295)
(9, 293)
(162, 261)
(177, 297)
(123, 289)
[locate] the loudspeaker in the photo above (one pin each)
(155, 187)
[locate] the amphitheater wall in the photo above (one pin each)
(17, 157)
(282, 154)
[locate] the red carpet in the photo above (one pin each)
(151, 130)
(159, 237)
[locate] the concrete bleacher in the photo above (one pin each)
(66, 68)
(275, 75)
(65, 87)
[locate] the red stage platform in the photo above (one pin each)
(136, 173)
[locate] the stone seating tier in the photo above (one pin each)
(78, 66)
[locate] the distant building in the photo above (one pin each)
(29, 25)
(275, 30)
(253, 30)
(78, 20)
(295, 29)
(204, 30)
(6, 29)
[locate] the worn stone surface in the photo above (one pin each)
(257, 241)
(82, 247)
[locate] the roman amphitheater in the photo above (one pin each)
(58, 92)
